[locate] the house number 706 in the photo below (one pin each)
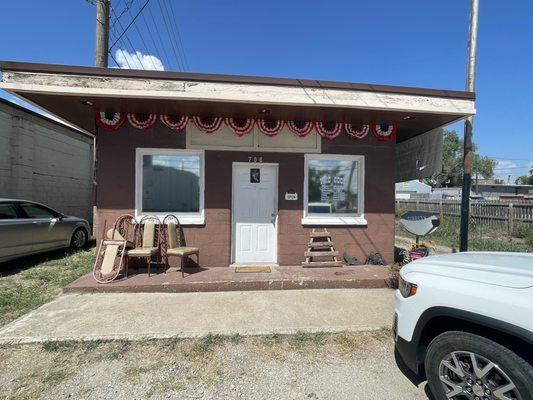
(255, 159)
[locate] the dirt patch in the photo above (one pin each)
(304, 365)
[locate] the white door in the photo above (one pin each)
(254, 213)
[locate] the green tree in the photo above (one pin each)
(452, 162)
(525, 179)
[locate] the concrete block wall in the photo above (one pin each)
(43, 161)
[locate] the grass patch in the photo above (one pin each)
(55, 377)
(207, 344)
(28, 283)
(480, 237)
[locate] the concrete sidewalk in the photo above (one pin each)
(137, 316)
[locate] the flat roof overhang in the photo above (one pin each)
(73, 94)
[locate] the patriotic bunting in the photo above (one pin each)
(328, 130)
(384, 132)
(357, 131)
(175, 122)
(240, 126)
(270, 127)
(109, 121)
(207, 124)
(300, 128)
(142, 121)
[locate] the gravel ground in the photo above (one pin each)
(301, 366)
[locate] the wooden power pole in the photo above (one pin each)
(469, 122)
(102, 33)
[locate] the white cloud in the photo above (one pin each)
(504, 168)
(138, 60)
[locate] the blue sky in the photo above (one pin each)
(412, 43)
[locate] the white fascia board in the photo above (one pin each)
(232, 92)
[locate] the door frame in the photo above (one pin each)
(276, 207)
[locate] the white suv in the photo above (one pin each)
(464, 321)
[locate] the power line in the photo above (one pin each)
(131, 22)
(180, 64)
(160, 38)
(181, 47)
(152, 38)
(127, 38)
(142, 39)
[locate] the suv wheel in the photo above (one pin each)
(464, 366)
(79, 239)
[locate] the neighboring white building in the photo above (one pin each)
(45, 161)
(412, 190)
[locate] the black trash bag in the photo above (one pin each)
(374, 258)
(350, 260)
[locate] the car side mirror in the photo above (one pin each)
(60, 217)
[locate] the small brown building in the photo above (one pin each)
(249, 165)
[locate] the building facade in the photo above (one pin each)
(249, 165)
(45, 161)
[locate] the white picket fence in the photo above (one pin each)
(496, 214)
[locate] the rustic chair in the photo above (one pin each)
(112, 250)
(147, 241)
(174, 243)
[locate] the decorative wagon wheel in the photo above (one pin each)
(240, 126)
(175, 122)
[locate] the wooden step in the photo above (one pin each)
(320, 234)
(308, 264)
(321, 253)
(320, 244)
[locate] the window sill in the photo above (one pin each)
(340, 221)
(183, 219)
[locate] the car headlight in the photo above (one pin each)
(407, 289)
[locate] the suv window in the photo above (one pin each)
(8, 211)
(37, 211)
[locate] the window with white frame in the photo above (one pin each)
(170, 181)
(334, 190)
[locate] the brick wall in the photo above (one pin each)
(116, 194)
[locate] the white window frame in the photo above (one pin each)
(336, 219)
(185, 218)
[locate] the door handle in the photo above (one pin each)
(273, 218)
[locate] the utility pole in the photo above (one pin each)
(102, 33)
(469, 122)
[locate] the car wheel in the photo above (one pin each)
(464, 366)
(79, 239)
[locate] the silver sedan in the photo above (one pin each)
(29, 228)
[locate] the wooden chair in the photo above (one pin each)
(174, 243)
(110, 258)
(147, 241)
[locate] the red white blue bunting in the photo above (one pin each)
(240, 126)
(109, 121)
(207, 124)
(174, 122)
(384, 132)
(300, 128)
(142, 121)
(328, 130)
(270, 127)
(357, 131)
